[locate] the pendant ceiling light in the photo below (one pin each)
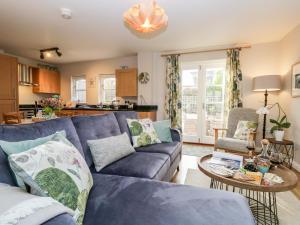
(146, 17)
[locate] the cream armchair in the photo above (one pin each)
(224, 136)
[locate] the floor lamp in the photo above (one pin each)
(266, 84)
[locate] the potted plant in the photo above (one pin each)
(51, 105)
(280, 124)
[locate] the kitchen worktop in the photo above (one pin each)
(137, 108)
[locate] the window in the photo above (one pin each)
(79, 89)
(107, 88)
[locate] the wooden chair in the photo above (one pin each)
(224, 136)
(13, 117)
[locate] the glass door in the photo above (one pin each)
(213, 100)
(203, 91)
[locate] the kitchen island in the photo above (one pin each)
(143, 111)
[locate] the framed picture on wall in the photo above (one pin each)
(296, 80)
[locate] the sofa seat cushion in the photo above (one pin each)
(93, 128)
(172, 149)
(134, 201)
(140, 164)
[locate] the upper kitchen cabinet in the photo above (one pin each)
(126, 83)
(8, 78)
(46, 81)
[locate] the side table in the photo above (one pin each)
(286, 148)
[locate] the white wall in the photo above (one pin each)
(92, 70)
(290, 47)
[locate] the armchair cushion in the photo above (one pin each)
(231, 144)
(243, 129)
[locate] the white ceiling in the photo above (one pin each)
(97, 31)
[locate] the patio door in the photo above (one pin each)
(203, 91)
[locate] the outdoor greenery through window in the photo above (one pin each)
(203, 90)
(79, 89)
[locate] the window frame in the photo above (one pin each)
(74, 90)
(101, 87)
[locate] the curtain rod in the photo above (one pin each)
(204, 51)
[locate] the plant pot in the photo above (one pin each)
(279, 134)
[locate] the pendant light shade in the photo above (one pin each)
(146, 17)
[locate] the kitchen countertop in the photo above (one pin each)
(137, 108)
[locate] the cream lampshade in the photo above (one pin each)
(266, 83)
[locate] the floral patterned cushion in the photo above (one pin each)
(56, 169)
(243, 129)
(142, 132)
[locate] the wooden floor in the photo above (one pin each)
(190, 162)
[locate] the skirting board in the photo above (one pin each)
(296, 166)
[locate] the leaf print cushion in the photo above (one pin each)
(142, 132)
(243, 129)
(56, 169)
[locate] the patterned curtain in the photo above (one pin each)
(173, 95)
(234, 80)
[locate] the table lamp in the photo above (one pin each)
(266, 83)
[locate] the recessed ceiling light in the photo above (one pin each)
(66, 13)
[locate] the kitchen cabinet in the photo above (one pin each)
(8, 85)
(126, 83)
(8, 77)
(45, 81)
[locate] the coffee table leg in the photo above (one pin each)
(262, 204)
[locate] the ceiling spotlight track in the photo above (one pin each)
(49, 50)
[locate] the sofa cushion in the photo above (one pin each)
(108, 150)
(63, 219)
(140, 164)
(172, 149)
(122, 120)
(30, 132)
(132, 201)
(56, 169)
(93, 128)
(232, 144)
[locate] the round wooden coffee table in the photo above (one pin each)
(261, 198)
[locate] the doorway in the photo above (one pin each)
(203, 94)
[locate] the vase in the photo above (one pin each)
(279, 134)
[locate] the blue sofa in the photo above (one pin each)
(130, 191)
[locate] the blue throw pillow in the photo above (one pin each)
(163, 131)
(22, 146)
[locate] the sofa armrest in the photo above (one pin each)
(176, 135)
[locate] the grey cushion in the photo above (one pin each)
(108, 150)
(172, 149)
(63, 219)
(95, 127)
(232, 144)
(140, 164)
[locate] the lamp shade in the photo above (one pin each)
(267, 82)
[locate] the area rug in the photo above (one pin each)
(196, 150)
(288, 204)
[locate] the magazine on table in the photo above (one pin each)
(227, 160)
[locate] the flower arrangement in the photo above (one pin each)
(279, 124)
(51, 105)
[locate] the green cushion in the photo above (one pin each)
(56, 169)
(163, 131)
(22, 146)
